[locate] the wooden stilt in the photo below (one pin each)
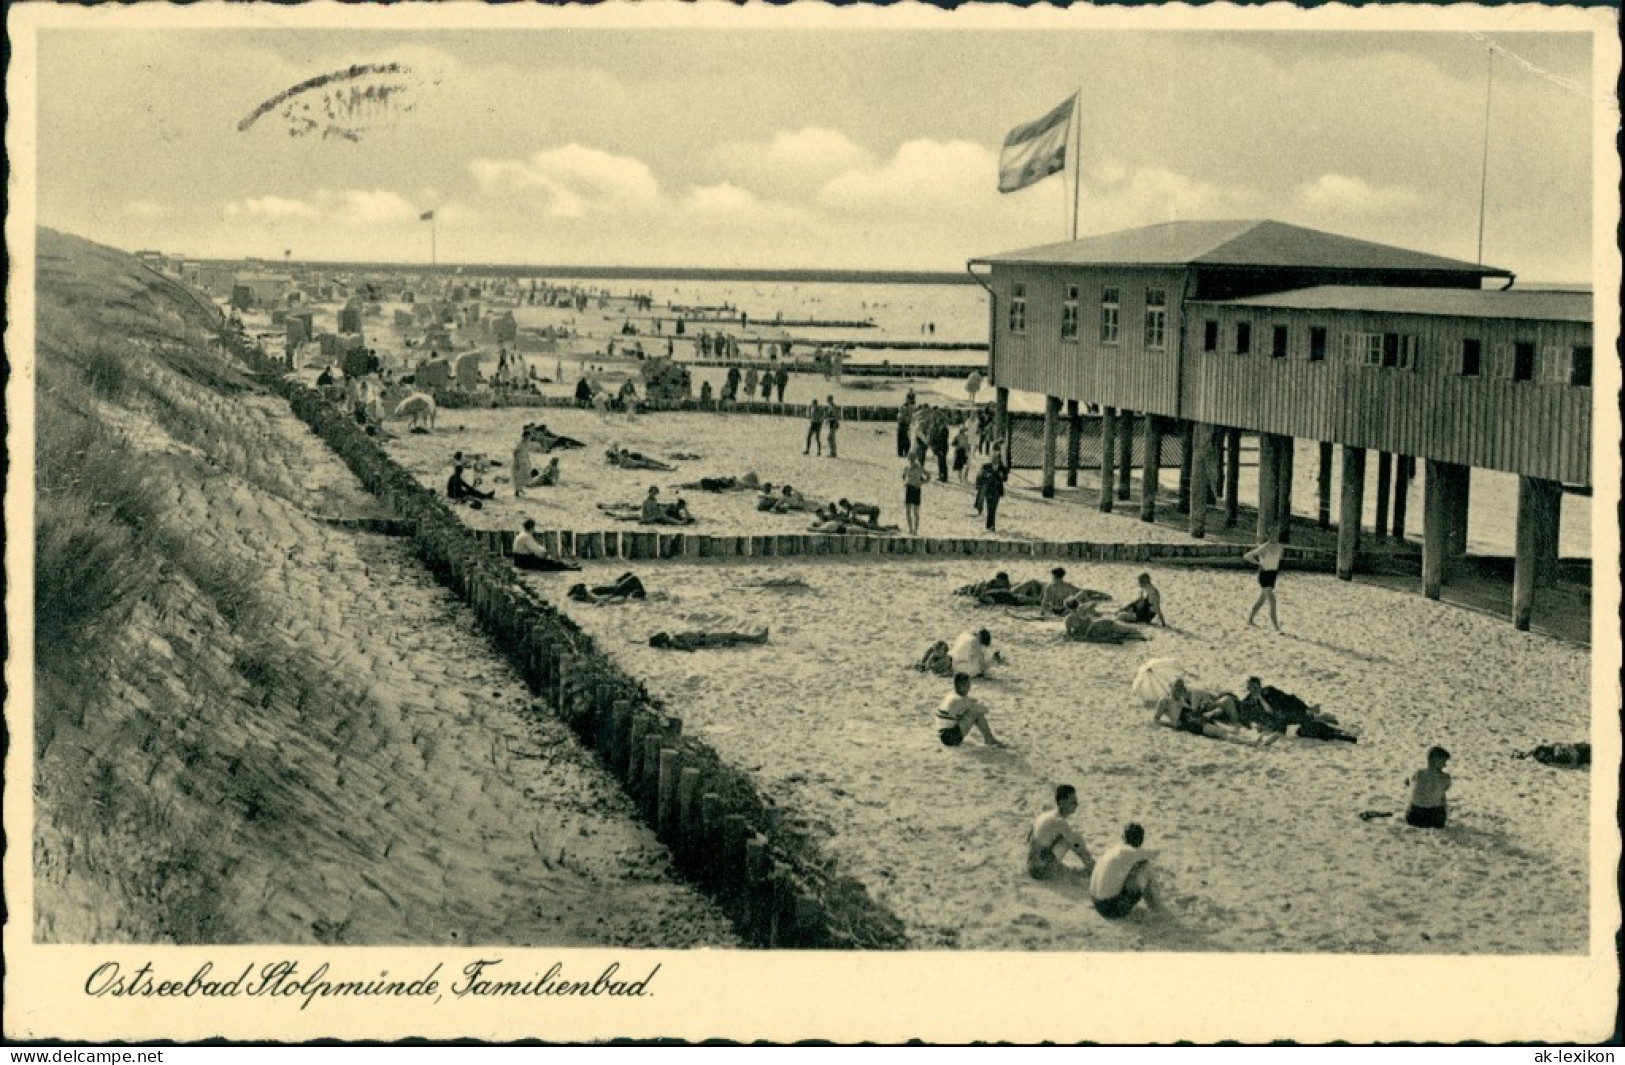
(1153, 468)
(1350, 511)
(1286, 452)
(1187, 464)
(1323, 510)
(1074, 442)
(1200, 439)
(1232, 477)
(1435, 527)
(1108, 457)
(1385, 479)
(1404, 470)
(1052, 416)
(1125, 451)
(1268, 491)
(1524, 563)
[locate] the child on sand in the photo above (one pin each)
(1428, 786)
(1122, 878)
(1051, 836)
(959, 713)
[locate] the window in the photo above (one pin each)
(1523, 361)
(1471, 357)
(1278, 342)
(1210, 335)
(1244, 338)
(1018, 307)
(1580, 367)
(1317, 343)
(1156, 317)
(1398, 351)
(1069, 314)
(1108, 315)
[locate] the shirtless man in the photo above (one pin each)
(1428, 808)
(1056, 592)
(1183, 711)
(1268, 556)
(1122, 878)
(1147, 608)
(1051, 836)
(973, 654)
(696, 641)
(959, 713)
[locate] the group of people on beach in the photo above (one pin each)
(822, 418)
(767, 381)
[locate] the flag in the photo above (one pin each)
(1036, 150)
(426, 216)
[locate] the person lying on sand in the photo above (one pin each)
(631, 460)
(1180, 711)
(654, 512)
(1084, 625)
(999, 582)
(1122, 877)
(541, 438)
(973, 655)
(842, 527)
(959, 713)
(748, 483)
(1052, 835)
(859, 513)
(530, 553)
(1273, 710)
(1147, 607)
(788, 501)
(626, 586)
(1566, 755)
(696, 641)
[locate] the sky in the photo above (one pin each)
(810, 146)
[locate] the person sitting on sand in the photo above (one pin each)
(654, 512)
(973, 653)
(1084, 625)
(459, 487)
(959, 713)
(626, 586)
(1182, 712)
(768, 498)
(1428, 808)
(530, 553)
(1147, 608)
(697, 641)
(1057, 592)
(1052, 835)
(748, 483)
(791, 500)
(1122, 877)
(936, 660)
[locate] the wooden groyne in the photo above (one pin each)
(774, 881)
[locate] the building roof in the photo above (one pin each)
(1546, 305)
(1241, 242)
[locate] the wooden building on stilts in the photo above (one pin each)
(1213, 329)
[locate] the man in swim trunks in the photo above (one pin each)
(1185, 711)
(1056, 592)
(1122, 878)
(1268, 556)
(959, 713)
(1051, 836)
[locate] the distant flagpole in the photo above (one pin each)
(1484, 165)
(428, 216)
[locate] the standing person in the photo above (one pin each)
(905, 421)
(832, 420)
(780, 379)
(1428, 808)
(984, 429)
(1122, 877)
(730, 386)
(1052, 835)
(959, 713)
(973, 384)
(939, 441)
(750, 383)
(989, 490)
(913, 477)
(962, 453)
(767, 386)
(920, 430)
(815, 428)
(1268, 556)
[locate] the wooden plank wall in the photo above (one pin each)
(1124, 374)
(1541, 428)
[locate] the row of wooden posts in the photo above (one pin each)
(1210, 473)
(775, 883)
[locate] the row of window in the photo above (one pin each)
(1393, 351)
(1155, 322)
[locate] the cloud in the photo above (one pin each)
(792, 162)
(366, 207)
(923, 177)
(145, 209)
(569, 182)
(1343, 194)
(1115, 194)
(271, 207)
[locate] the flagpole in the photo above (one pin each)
(1484, 166)
(1077, 159)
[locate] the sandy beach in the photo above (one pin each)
(1263, 848)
